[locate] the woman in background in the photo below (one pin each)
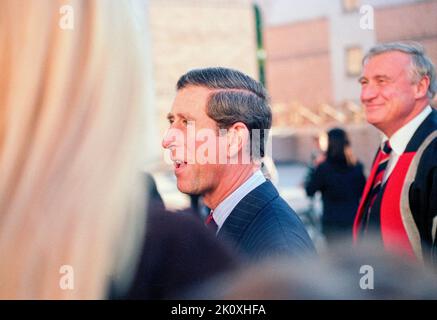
(340, 179)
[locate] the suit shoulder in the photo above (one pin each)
(429, 154)
(278, 220)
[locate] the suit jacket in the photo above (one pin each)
(263, 224)
(407, 205)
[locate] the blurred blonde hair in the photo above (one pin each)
(71, 146)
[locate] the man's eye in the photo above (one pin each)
(185, 121)
(170, 121)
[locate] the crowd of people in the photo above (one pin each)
(73, 194)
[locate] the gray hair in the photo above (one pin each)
(421, 64)
(237, 98)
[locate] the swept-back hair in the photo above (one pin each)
(236, 97)
(421, 64)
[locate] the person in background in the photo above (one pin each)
(399, 202)
(340, 179)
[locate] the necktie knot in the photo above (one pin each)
(210, 222)
(209, 218)
(386, 148)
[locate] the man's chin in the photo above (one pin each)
(184, 188)
(373, 119)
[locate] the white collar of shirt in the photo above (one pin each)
(400, 139)
(224, 209)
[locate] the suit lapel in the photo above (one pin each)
(246, 210)
(427, 127)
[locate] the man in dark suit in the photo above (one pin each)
(399, 203)
(218, 126)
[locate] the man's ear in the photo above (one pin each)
(422, 87)
(238, 139)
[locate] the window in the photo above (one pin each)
(354, 56)
(351, 5)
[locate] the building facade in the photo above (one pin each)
(314, 51)
(188, 34)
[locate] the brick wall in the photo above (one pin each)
(417, 22)
(298, 63)
(193, 34)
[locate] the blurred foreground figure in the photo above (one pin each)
(399, 202)
(363, 272)
(178, 253)
(71, 148)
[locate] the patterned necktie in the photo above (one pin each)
(377, 181)
(210, 222)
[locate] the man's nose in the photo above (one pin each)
(368, 92)
(172, 138)
(166, 140)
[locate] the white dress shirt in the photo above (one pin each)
(400, 139)
(224, 209)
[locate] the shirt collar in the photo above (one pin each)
(400, 138)
(224, 209)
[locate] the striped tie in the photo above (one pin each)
(377, 182)
(210, 222)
